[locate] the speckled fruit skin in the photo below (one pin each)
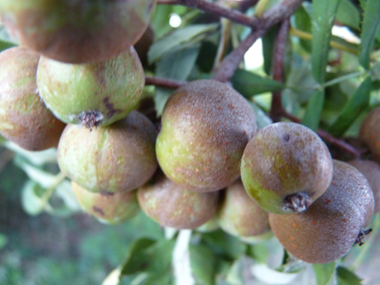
(283, 159)
(24, 118)
(369, 132)
(205, 127)
(328, 229)
(77, 31)
(120, 157)
(112, 88)
(175, 206)
(109, 208)
(239, 215)
(371, 171)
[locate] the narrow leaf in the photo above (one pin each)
(347, 277)
(323, 16)
(176, 38)
(324, 272)
(357, 103)
(203, 264)
(249, 84)
(371, 23)
(313, 110)
(268, 47)
(348, 14)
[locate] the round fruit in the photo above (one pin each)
(77, 31)
(120, 157)
(24, 118)
(371, 171)
(94, 94)
(369, 133)
(110, 208)
(239, 215)
(286, 167)
(175, 206)
(333, 223)
(205, 127)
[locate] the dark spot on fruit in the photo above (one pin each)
(286, 137)
(106, 193)
(98, 210)
(110, 108)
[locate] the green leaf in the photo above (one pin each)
(303, 23)
(224, 244)
(324, 272)
(347, 277)
(203, 264)
(3, 241)
(371, 22)
(262, 119)
(176, 38)
(235, 273)
(258, 252)
(249, 84)
(162, 95)
(348, 14)
(268, 47)
(313, 110)
(357, 103)
(323, 15)
(160, 22)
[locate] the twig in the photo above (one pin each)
(162, 82)
(227, 67)
(278, 69)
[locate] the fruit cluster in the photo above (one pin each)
(189, 172)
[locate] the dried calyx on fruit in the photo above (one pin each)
(176, 206)
(24, 119)
(286, 167)
(205, 126)
(333, 223)
(92, 94)
(120, 157)
(107, 207)
(77, 31)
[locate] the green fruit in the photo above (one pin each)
(239, 215)
(205, 127)
(93, 94)
(286, 167)
(120, 157)
(333, 223)
(77, 31)
(110, 208)
(176, 206)
(371, 171)
(369, 133)
(24, 118)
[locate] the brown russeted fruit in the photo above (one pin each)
(333, 223)
(77, 31)
(369, 132)
(24, 119)
(120, 157)
(286, 167)
(371, 171)
(239, 215)
(92, 94)
(205, 127)
(107, 207)
(176, 206)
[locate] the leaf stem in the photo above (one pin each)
(163, 82)
(260, 8)
(49, 191)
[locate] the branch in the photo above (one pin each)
(227, 67)
(278, 69)
(162, 82)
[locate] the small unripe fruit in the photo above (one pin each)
(120, 157)
(92, 94)
(286, 167)
(24, 119)
(205, 126)
(175, 206)
(107, 207)
(333, 223)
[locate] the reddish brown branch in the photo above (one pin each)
(278, 69)
(162, 82)
(227, 67)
